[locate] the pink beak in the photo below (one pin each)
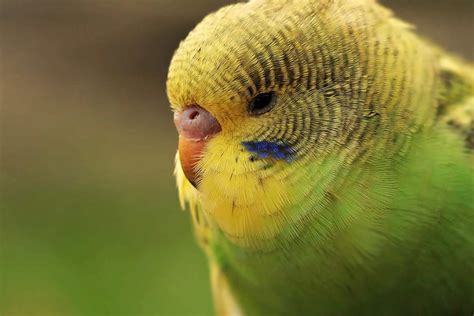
(195, 126)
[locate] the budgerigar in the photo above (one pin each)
(326, 155)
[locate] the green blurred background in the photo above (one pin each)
(90, 222)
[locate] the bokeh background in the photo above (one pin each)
(90, 222)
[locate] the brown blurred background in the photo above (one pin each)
(90, 222)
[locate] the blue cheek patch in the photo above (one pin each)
(266, 149)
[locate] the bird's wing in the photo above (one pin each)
(224, 301)
(456, 106)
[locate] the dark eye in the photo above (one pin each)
(262, 103)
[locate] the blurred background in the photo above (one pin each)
(90, 222)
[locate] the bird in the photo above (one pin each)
(326, 157)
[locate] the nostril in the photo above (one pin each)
(193, 115)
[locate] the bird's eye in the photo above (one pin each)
(262, 103)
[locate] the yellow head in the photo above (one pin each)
(292, 84)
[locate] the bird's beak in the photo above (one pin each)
(195, 126)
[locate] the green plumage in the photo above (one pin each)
(396, 241)
(375, 215)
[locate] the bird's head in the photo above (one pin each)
(270, 102)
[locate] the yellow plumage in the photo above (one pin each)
(353, 48)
